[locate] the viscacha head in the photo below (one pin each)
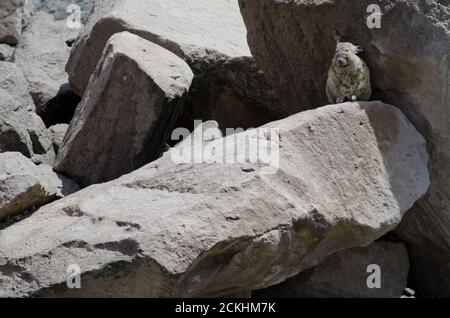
(346, 54)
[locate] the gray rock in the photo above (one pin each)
(58, 8)
(42, 54)
(6, 52)
(58, 133)
(128, 111)
(14, 15)
(20, 128)
(58, 185)
(410, 69)
(347, 274)
(209, 35)
(24, 185)
(346, 175)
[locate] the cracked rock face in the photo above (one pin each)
(347, 174)
(6, 52)
(293, 43)
(209, 35)
(58, 133)
(346, 275)
(42, 54)
(132, 103)
(21, 129)
(14, 15)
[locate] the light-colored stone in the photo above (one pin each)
(6, 52)
(128, 112)
(346, 175)
(410, 66)
(14, 15)
(58, 133)
(208, 34)
(212, 30)
(23, 185)
(59, 186)
(59, 8)
(21, 129)
(42, 54)
(350, 274)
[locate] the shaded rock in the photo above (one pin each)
(6, 52)
(59, 186)
(209, 35)
(236, 94)
(347, 274)
(20, 128)
(42, 54)
(346, 175)
(128, 112)
(24, 185)
(293, 43)
(58, 133)
(14, 15)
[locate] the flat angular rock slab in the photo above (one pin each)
(21, 129)
(346, 175)
(42, 54)
(212, 30)
(23, 185)
(350, 274)
(14, 15)
(210, 36)
(128, 112)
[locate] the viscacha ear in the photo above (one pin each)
(359, 49)
(337, 36)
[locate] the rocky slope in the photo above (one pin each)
(306, 205)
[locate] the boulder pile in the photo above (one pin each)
(186, 149)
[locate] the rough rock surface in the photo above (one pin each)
(6, 52)
(58, 8)
(21, 129)
(58, 133)
(14, 15)
(346, 175)
(208, 34)
(128, 112)
(293, 43)
(42, 54)
(346, 275)
(24, 185)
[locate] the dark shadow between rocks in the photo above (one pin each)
(60, 110)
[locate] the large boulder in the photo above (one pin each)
(339, 177)
(14, 15)
(128, 112)
(21, 129)
(410, 65)
(209, 35)
(42, 53)
(376, 271)
(23, 185)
